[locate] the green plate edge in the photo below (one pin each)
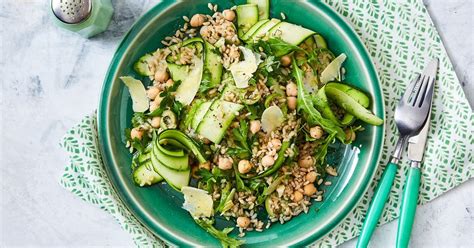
(124, 192)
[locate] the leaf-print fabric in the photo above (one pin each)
(400, 38)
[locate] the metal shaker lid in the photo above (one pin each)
(72, 11)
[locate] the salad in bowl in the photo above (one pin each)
(236, 111)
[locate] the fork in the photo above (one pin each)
(410, 115)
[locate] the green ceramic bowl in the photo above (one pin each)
(159, 207)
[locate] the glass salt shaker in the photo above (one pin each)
(86, 17)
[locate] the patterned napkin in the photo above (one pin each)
(401, 38)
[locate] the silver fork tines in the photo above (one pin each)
(413, 108)
(422, 91)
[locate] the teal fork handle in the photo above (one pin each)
(376, 207)
(408, 208)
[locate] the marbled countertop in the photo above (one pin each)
(52, 78)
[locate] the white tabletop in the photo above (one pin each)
(51, 78)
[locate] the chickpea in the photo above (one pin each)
(255, 126)
(297, 196)
(197, 20)
(285, 60)
(152, 92)
(291, 89)
(155, 122)
(235, 124)
(244, 166)
(309, 189)
(169, 83)
(136, 133)
(268, 160)
(206, 165)
(154, 105)
(229, 15)
(350, 135)
(225, 163)
(276, 144)
(305, 162)
(243, 221)
(316, 132)
(204, 31)
(161, 76)
(291, 101)
(311, 176)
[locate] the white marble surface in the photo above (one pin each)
(51, 78)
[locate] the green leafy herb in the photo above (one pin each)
(280, 48)
(306, 105)
(205, 85)
(255, 110)
(260, 46)
(259, 187)
(270, 64)
(222, 236)
(136, 144)
(206, 175)
(138, 119)
(168, 101)
(322, 150)
(238, 152)
(177, 108)
(209, 178)
(241, 137)
(240, 183)
(227, 195)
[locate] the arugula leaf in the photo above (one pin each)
(222, 236)
(280, 47)
(306, 105)
(320, 154)
(274, 46)
(322, 150)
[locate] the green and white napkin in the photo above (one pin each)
(400, 38)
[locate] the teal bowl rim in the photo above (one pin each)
(103, 123)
